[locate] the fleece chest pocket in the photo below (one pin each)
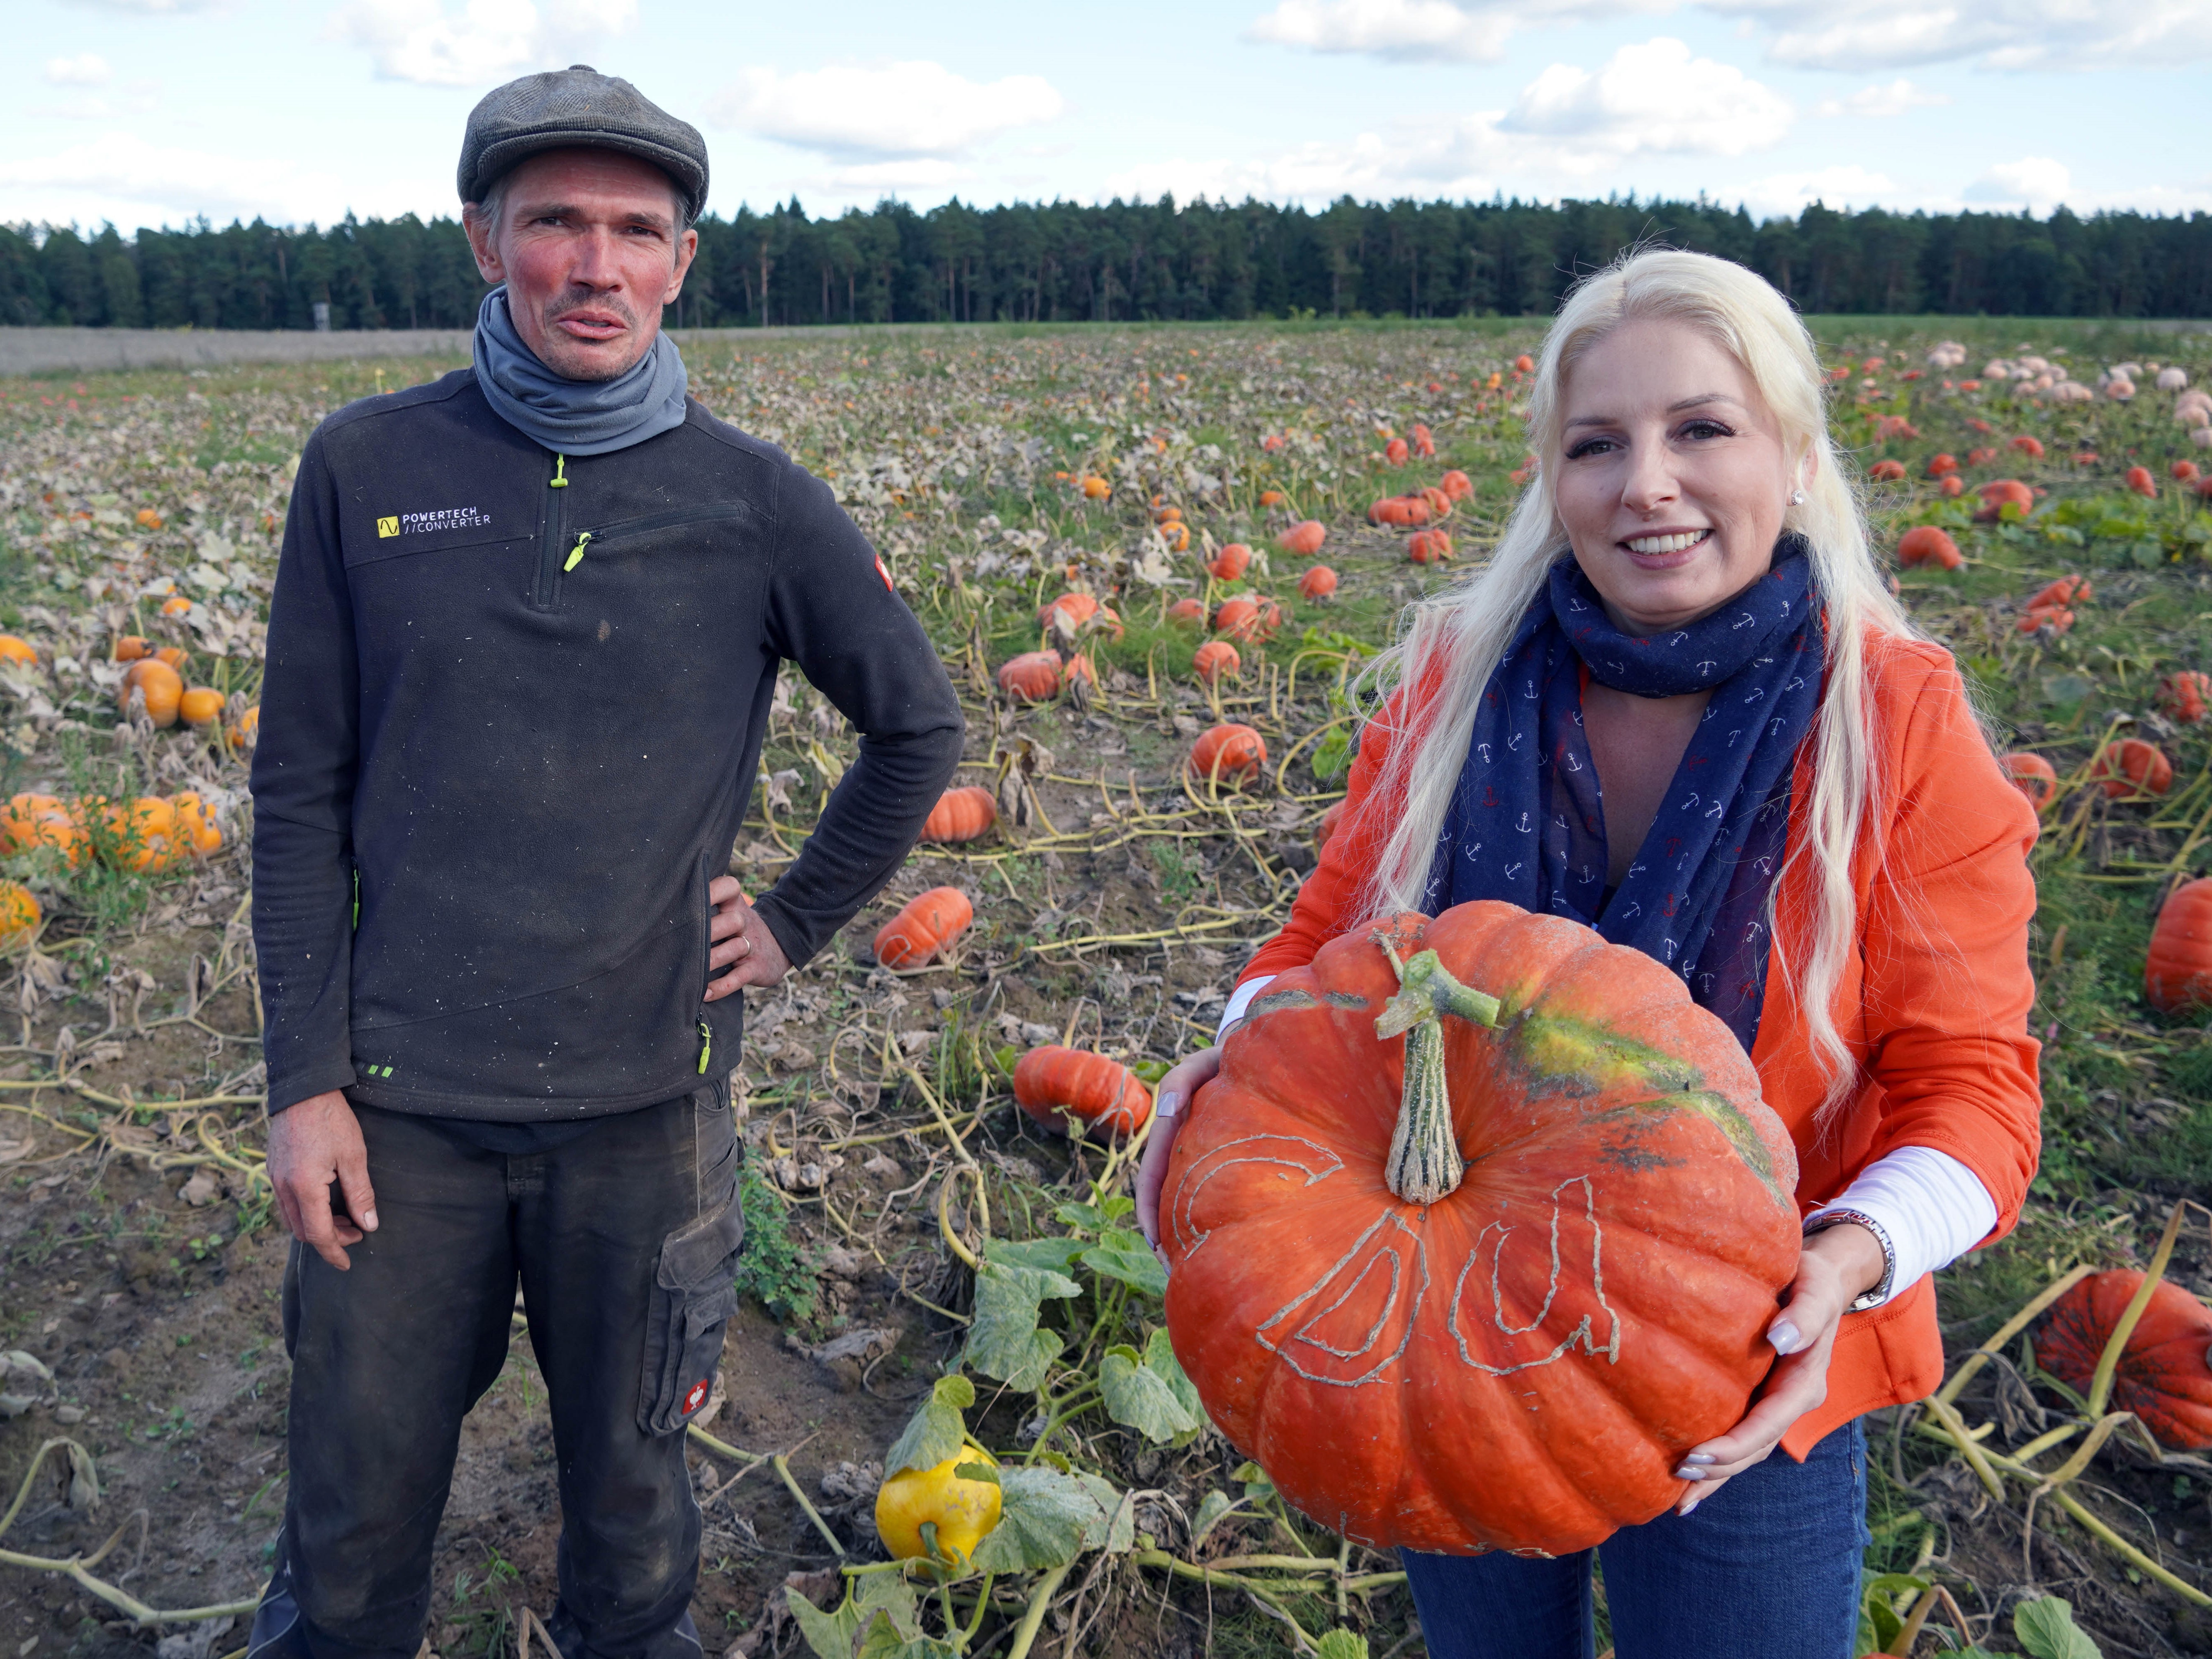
(694, 1297)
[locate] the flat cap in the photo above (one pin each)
(579, 107)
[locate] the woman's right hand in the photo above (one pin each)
(1178, 1090)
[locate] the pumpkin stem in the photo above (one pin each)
(1424, 1164)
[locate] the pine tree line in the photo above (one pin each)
(1063, 262)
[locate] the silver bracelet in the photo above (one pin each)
(1879, 1294)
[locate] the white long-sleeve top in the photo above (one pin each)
(1934, 1208)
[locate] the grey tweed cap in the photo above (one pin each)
(574, 107)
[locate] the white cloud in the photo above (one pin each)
(86, 69)
(121, 177)
(1422, 31)
(427, 42)
(882, 110)
(156, 7)
(2034, 181)
(1879, 103)
(1998, 35)
(1654, 97)
(1569, 130)
(1845, 186)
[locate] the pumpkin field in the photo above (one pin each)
(1155, 561)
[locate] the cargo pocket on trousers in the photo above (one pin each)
(694, 1295)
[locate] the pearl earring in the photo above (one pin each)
(1796, 498)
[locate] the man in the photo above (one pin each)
(525, 634)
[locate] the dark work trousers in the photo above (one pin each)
(624, 1239)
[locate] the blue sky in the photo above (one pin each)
(156, 111)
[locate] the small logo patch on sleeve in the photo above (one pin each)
(385, 527)
(695, 1399)
(884, 574)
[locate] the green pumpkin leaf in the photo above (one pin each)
(1257, 1487)
(1003, 1339)
(879, 1598)
(934, 1432)
(1138, 1268)
(1046, 1519)
(986, 1472)
(2047, 1629)
(1139, 1398)
(1055, 1255)
(1340, 1644)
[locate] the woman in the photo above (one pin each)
(1681, 706)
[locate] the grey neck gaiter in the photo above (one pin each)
(575, 418)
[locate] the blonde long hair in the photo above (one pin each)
(1454, 640)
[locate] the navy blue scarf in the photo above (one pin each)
(1527, 822)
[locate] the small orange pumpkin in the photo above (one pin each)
(927, 925)
(1926, 544)
(1033, 676)
(1428, 547)
(1054, 1084)
(1887, 471)
(2178, 974)
(1396, 451)
(2031, 447)
(175, 606)
(1941, 466)
(1456, 484)
(961, 814)
(1232, 753)
(201, 707)
(141, 833)
(245, 732)
(2062, 595)
(129, 648)
(1214, 659)
(1952, 486)
(2133, 767)
(161, 685)
(20, 915)
(172, 654)
(1231, 563)
(1304, 539)
(1187, 611)
(1272, 498)
(1318, 583)
(2184, 696)
(1076, 608)
(2001, 493)
(195, 828)
(2032, 775)
(1097, 489)
(2140, 481)
(1425, 442)
(15, 649)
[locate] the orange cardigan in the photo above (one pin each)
(1933, 1005)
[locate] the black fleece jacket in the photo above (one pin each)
(511, 723)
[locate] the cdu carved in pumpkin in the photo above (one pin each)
(1481, 1288)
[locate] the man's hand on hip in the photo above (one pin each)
(739, 936)
(314, 1146)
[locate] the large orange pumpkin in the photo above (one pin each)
(929, 922)
(2165, 1373)
(2177, 973)
(1480, 1288)
(1304, 539)
(961, 814)
(1233, 753)
(1033, 676)
(2132, 766)
(1054, 1084)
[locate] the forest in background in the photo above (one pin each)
(1135, 262)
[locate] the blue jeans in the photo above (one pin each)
(1767, 1567)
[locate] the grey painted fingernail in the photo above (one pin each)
(1785, 1336)
(1685, 1472)
(1701, 1457)
(1691, 1507)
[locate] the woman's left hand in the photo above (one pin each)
(1839, 1265)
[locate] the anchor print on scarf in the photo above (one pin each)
(1526, 821)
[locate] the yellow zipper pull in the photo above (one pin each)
(706, 1046)
(559, 480)
(576, 554)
